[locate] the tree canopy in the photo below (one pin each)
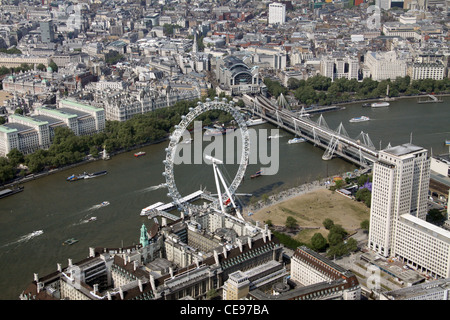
(321, 90)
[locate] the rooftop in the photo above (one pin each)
(403, 149)
(57, 112)
(29, 120)
(69, 103)
(426, 227)
(415, 292)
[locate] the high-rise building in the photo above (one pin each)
(400, 185)
(47, 32)
(398, 226)
(277, 13)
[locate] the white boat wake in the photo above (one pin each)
(152, 188)
(98, 206)
(25, 238)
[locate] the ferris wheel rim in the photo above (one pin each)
(174, 140)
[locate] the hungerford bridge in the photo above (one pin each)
(359, 151)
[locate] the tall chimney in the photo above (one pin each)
(216, 257)
(141, 288)
(197, 262)
(91, 252)
(58, 267)
(36, 277)
(95, 288)
(70, 262)
(135, 265)
(225, 252)
(121, 292)
(152, 283)
(249, 240)
(239, 242)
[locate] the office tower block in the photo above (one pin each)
(47, 32)
(400, 186)
(277, 13)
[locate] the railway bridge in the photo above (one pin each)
(359, 151)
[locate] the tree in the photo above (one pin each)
(41, 67)
(318, 242)
(364, 195)
(12, 50)
(337, 250)
(339, 183)
(435, 215)
(93, 151)
(328, 223)
(362, 179)
(334, 238)
(7, 171)
(291, 222)
(295, 83)
(53, 65)
(112, 57)
(352, 245)
(15, 157)
(4, 70)
(337, 228)
(169, 28)
(274, 87)
(365, 224)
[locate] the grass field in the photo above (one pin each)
(311, 209)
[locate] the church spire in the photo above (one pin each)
(144, 236)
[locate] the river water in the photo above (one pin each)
(60, 208)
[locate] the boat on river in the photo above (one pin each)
(257, 174)
(140, 153)
(76, 177)
(296, 140)
(255, 122)
(70, 241)
(36, 233)
(95, 174)
(379, 104)
(359, 119)
(10, 192)
(104, 204)
(214, 132)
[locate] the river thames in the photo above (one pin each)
(61, 209)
